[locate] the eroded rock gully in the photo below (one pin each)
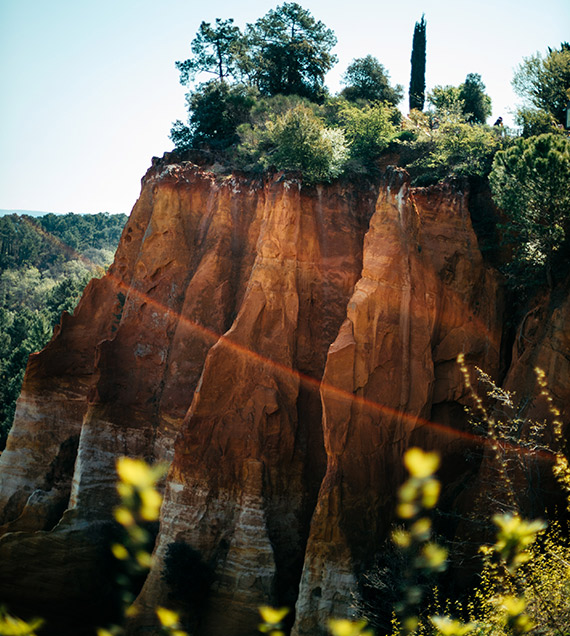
(280, 346)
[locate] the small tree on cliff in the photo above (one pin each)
(529, 182)
(418, 73)
(476, 103)
(368, 80)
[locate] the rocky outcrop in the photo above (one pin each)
(424, 296)
(280, 346)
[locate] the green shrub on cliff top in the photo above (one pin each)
(296, 140)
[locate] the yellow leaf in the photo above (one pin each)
(408, 491)
(421, 529)
(151, 502)
(434, 555)
(131, 611)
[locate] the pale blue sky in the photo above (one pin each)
(89, 89)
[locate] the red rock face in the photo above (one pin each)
(425, 296)
(281, 346)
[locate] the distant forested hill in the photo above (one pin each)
(45, 262)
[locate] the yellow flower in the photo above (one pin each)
(450, 627)
(144, 559)
(119, 551)
(421, 529)
(430, 493)
(167, 618)
(135, 472)
(420, 464)
(273, 615)
(344, 627)
(401, 538)
(151, 502)
(124, 516)
(406, 510)
(434, 556)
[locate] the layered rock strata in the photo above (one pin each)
(280, 346)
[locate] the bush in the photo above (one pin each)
(368, 130)
(216, 111)
(535, 122)
(296, 140)
(455, 149)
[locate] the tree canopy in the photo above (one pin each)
(289, 52)
(45, 262)
(216, 110)
(447, 101)
(216, 50)
(530, 181)
(368, 80)
(544, 82)
(418, 72)
(476, 103)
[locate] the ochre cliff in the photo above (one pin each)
(279, 346)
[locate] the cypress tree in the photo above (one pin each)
(418, 75)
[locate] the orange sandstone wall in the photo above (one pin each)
(280, 346)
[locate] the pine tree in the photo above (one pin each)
(418, 75)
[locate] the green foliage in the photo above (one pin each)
(418, 72)
(216, 50)
(544, 81)
(55, 238)
(297, 140)
(289, 53)
(367, 79)
(45, 264)
(529, 182)
(534, 122)
(447, 102)
(476, 103)
(455, 149)
(286, 52)
(216, 111)
(368, 130)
